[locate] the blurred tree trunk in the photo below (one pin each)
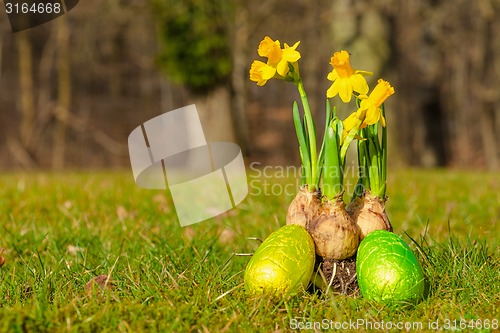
(1, 51)
(470, 54)
(414, 98)
(64, 93)
(239, 36)
(27, 99)
(195, 51)
(214, 109)
(447, 56)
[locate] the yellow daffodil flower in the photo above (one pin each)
(382, 91)
(277, 63)
(369, 111)
(345, 78)
(271, 49)
(256, 72)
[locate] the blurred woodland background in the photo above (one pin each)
(73, 89)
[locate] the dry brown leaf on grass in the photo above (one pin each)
(122, 213)
(75, 250)
(227, 236)
(102, 282)
(163, 204)
(2, 259)
(189, 233)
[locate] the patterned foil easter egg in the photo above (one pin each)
(387, 269)
(283, 263)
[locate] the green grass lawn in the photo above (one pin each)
(59, 231)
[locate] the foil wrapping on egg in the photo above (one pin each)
(283, 263)
(387, 269)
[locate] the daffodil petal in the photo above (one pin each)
(344, 135)
(290, 55)
(345, 89)
(372, 115)
(268, 72)
(382, 120)
(333, 75)
(359, 84)
(333, 90)
(282, 68)
(364, 73)
(295, 45)
(361, 114)
(350, 122)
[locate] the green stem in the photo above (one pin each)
(312, 134)
(383, 177)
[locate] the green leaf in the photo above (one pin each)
(303, 180)
(347, 141)
(373, 168)
(333, 174)
(363, 181)
(322, 150)
(303, 147)
(375, 152)
(339, 129)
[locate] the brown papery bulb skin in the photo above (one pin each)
(304, 207)
(368, 211)
(334, 232)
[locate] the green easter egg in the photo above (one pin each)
(387, 269)
(283, 263)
